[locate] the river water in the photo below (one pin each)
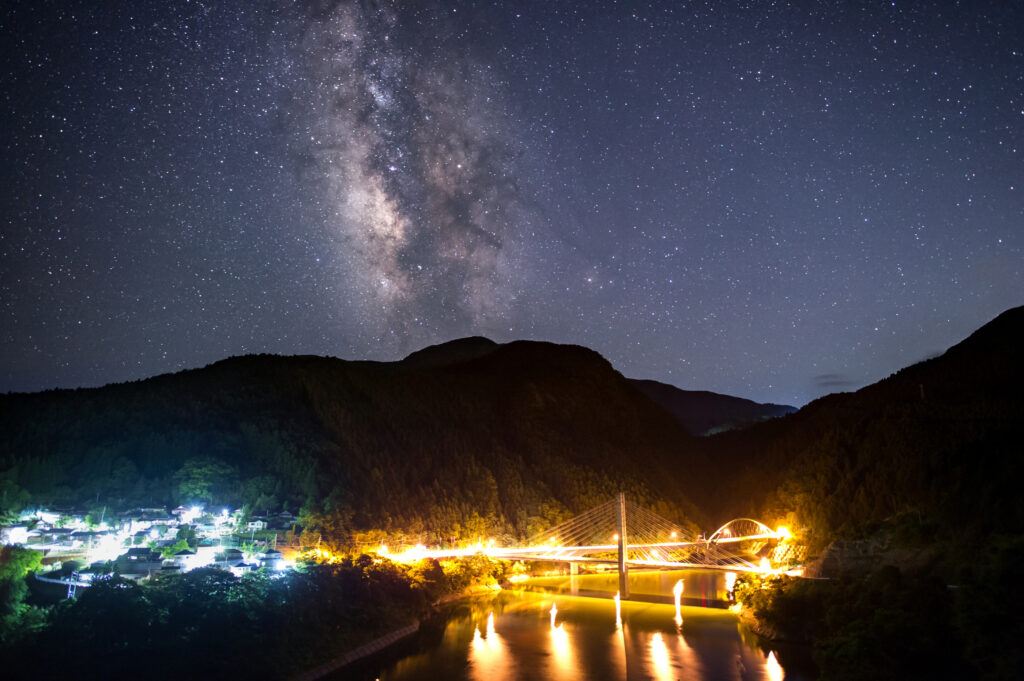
(565, 629)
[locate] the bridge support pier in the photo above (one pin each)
(574, 569)
(623, 570)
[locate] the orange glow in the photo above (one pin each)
(730, 581)
(661, 662)
(783, 533)
(772, 669)
(562, 657)
(488, 655)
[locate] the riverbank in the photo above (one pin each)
(868, 625)
(760, 627)
(387, 640)
(374, 646)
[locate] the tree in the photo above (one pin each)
(205, 478)
(15, 564)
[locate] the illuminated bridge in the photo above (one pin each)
(648, 540)
(625, 534)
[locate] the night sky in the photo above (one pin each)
(765, 199)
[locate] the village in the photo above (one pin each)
(141, 543)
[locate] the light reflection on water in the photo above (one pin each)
(488, 655)
(661, 663)
(773, 669)
(528, 635)
(564, 666)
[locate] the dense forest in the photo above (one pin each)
(462, 440)
(931, 454)
(909, 493)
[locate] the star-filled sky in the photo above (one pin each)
(766, 199)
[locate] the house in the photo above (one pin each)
(229, 558)
(272, 559)
(139, 562)
(183, 559)
(58, 537)
(88, 538)
(256, 524)
(242, 568)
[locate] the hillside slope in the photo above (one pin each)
(933, 452)
(704, 412)
(448, 442)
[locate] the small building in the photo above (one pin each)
(256, 524)
(183, 559)
(229, 558)
(242, 568)
(139, 562)
(272, 558)
(88, 538)
(58, 537)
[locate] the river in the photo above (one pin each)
(565, 629)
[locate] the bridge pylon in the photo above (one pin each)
(623, 557)
(646, 540)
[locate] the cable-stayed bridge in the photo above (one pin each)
(648, 540)
(621, 532)
(630, 536)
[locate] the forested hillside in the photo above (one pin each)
(932, 453)
(472, 438)
(449, 443)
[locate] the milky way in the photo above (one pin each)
(410, 153)
(767, 200)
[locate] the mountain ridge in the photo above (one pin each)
(935, 444)
(500, 442)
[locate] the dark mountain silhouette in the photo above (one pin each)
(452, 352)
(933, 452)
(704, 412)
(466, 438)
(473, 437)
(700, 411)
